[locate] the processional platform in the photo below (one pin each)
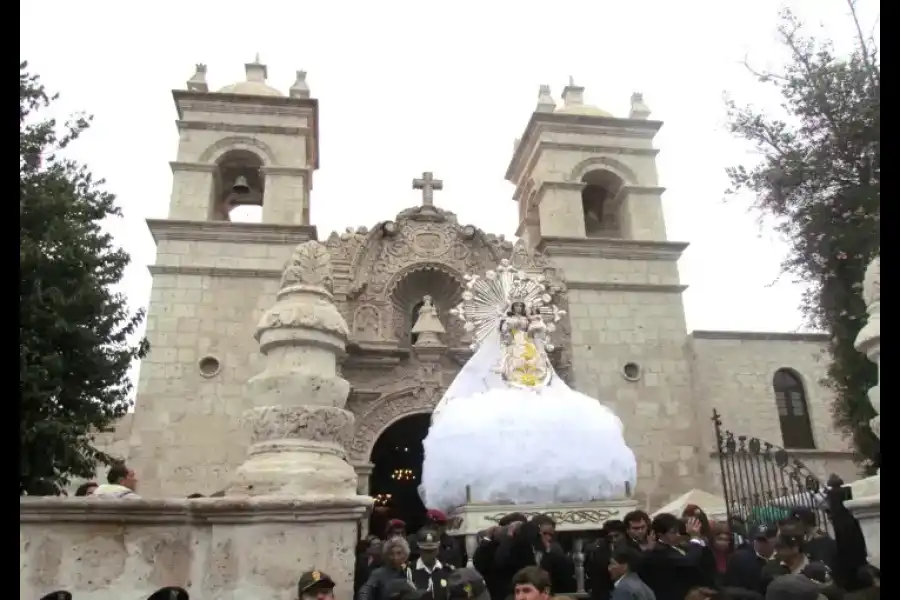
(469, 519)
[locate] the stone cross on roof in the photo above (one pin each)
(428, 184)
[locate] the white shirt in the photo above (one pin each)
(421, 566)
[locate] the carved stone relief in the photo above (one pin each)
(380, 274)
(367, 324)
(384, 412)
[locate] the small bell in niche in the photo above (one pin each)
(240, 185)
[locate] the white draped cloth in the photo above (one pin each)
(510, 444)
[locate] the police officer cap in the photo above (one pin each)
(466, 584)
(311, 579)
(169, 593)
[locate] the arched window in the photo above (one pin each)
(793, 413)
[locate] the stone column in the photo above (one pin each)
(298, 422)
(866, 502)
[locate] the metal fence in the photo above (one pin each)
(762, 482)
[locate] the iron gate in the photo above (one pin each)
(761, 482)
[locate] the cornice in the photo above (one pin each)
(229, 272)
(200, 511)
(577, 124)
(611, 248)
(225, 231)
(300, 171)
(241, 103)
(604, 286)
(176, 166)
(237, 128)
(760, 336)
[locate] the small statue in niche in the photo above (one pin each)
(427, 327)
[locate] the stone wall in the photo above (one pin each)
(732, 373)
(217, 549)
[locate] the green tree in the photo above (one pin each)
(819, 178)
(74, 331)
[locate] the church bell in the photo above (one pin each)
(240, 185)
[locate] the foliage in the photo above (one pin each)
(819, 177)
(74, 331)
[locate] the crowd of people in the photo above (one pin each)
(637, 558)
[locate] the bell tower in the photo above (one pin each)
(247, 144)
(588, 193)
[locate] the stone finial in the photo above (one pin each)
(197, 82)
(256, 71)
(573, 95)
(300, 89)
(639, 110)
(869, 339)
(298, 423)
(546, 103)
(310, 266)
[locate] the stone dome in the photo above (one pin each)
(250, 88)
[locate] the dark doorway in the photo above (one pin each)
(397, 472)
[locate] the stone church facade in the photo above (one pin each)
(590, 218)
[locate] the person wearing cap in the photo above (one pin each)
(467, 584)
(790, 558)
(745, 567)
(169, 593)
(395, 554)
(395, 528)
(315, 585)
(429, 574)
(450, 552)
(818, 546)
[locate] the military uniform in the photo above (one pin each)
(311, 582)
(430, 580)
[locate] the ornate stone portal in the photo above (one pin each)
(380, 277)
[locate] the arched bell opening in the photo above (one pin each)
(600, 202)
(239, 187)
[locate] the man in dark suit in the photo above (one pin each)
(532, 544)
(671, 568)
(745, 566)
(627, 585)
(496, 579)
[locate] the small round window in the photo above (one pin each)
(209, 366)
(631, 371)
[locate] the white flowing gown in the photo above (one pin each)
(519, 445)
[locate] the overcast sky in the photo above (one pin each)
(441, 86)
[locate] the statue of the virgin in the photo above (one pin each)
(508, 428)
